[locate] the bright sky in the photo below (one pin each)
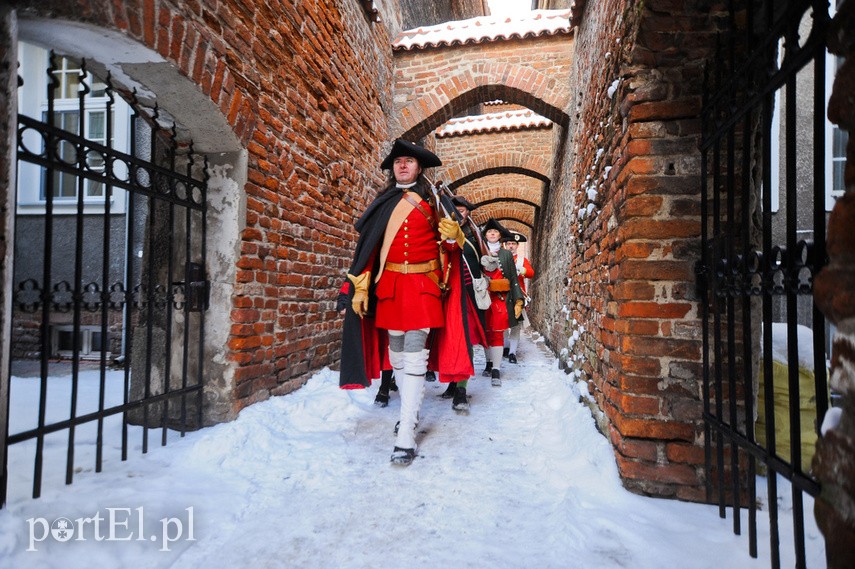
(508, 7)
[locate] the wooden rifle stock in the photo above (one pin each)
(443, 191)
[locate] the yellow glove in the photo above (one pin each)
(518, 306)
(450, 229)
(359, 302)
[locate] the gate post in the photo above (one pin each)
(8, 136)
(834, 463)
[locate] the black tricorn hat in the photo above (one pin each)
(460, 200)
(401, 147)
(515, 237)
(493, 224)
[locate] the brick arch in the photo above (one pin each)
(513, 187)
(505, 200)
(505, 210)
(519, 227)
(422, 116)
(538, 167)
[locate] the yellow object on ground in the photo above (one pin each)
(807, 413)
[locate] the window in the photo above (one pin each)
(836, 140)
(65, 185)
(67, 116)
(91, 342)
(33, 180)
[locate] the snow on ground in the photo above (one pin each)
(525, 480)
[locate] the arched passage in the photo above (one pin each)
(424, 115)
(144, 75)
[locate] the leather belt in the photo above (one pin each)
(499, 285)
(415, 268)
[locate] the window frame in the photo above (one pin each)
(32, 101)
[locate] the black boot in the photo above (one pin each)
(496, 380)
(461, 401)
(488, 370)
(382, 399)
(512, 358)
(430, 376)
(505, 352)
(403, 456)
(450, 391)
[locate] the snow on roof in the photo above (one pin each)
(493, 122)
(486, 29)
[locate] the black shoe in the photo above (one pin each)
(505, 352)
(450, 391)
(392, 385)
(488, 369)
(382, 399)
(512, 358)
(461, 401)
(430, 376)
(496, 380)
(402, 456)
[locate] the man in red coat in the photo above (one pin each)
(506, 297)
(397, 287)
(524, 271)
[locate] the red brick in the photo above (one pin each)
(662, 347)
(670, 473)
(653, 310)
(685, 453)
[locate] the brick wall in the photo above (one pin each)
(624, 315)
(432, 85)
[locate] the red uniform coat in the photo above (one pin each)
(529, 272)
(413, 300)
(497, 314)
(451, 350)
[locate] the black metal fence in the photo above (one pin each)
(109, 276)
(764, 199)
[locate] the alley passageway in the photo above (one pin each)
(524, 480)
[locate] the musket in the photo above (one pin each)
(442, 192)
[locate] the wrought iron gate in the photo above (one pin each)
(764, 196)
(109, 277)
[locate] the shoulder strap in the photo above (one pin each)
(418, 205)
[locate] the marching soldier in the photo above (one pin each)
(525, 271)
(397, 287)
(506, 295)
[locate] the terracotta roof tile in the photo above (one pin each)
(486, 29)
(493, 122)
